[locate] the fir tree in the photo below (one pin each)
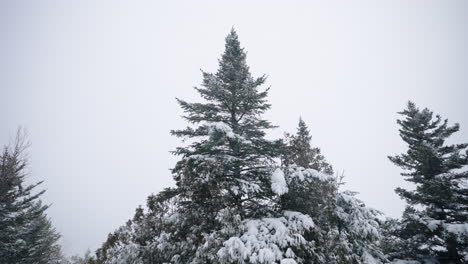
(300, 152)
(435, 223)
(27, 235)
(313, 196)
(229, 132)
(346, 230)
(228, 164)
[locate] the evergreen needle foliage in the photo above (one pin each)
(300, 152)
(26, 234)
(435, 222)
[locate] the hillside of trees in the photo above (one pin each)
(242, 198)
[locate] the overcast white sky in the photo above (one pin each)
(94, 83)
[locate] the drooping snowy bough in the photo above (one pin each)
(268, 240)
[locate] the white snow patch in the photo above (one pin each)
(458, 229)
(278, 182)
(221, 127)
(202, 157)
(234, 248)
(401, 261)
(303, 174)
(288, 261)
(369, 259)
(267, 240)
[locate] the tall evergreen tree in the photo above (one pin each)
(26, 234)
(435, 223)
(300, 152)
(229, 137)
(228, 164)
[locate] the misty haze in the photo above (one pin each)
(234, 132)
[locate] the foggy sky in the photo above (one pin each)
(94, 83)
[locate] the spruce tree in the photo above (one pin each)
(346, 231)
(27, 235)
(228, 163)
(435, 222)
(300, 152)
(229, 137)
(313, 196)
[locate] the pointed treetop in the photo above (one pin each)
(303, 131)
(428, 154)
(232, 36)
(232, 65)
(232, 45)
(302, 153)
(301, 122)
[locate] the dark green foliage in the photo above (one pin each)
(312, 196)
(336, 214)
(26, 234)
(315, 197)
(228, 163)
(346, 231)
(229, 141)
(300, 152)
(438, 207)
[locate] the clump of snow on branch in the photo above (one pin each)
(300, 173)
(458, 229)
(267, 240)
(220, 127)
(360, 219)
(369, 259)
(401, 261)
(202, 158)
(248, 187)
(125, 250)
(223, 128)
(123, 254)
(278, 182)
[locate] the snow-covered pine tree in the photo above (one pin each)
(228, 164)
(229, 133)
(315, 196)
(346, 231)
(222, 179)
(435, 223)
(300, 152)
(26, 234)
